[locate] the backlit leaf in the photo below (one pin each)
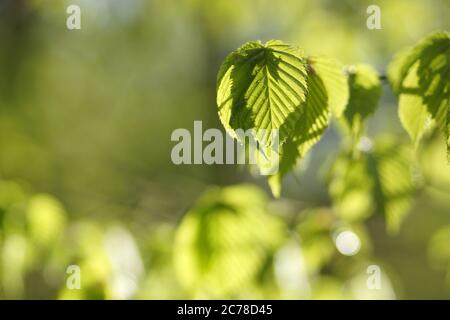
(365, 92)
(223, 241)
(420, 76)
(332, 74)
(262, 87)
(308, 131)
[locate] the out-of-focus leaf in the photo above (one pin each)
(435, 171)
(381, 177)
(365, 92)
(11, 194)
(46, 219)
(88, 252)
(329, 288)
(14, 263)
(224, 240)
(314, 231)
(390, 167)
(439, 249)
(351, 189)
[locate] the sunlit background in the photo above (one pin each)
(86, 177)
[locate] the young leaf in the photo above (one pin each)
(433, 71)
(308, 131)
(420, 76)
(399, 67)
(413, 114)
(405, 59)
(262, 87)
(365, 92)
(332, 74)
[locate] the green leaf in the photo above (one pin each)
(413, 114)
(335, 80)
(435, 171)
(365, 92)
(399, 67)
(425, 49)
(433, 71)
(308, 131)
(262, 87)
(378, 179)
(390, 167)
(420, 76)
(351, 188)
(224, 240)
(314, 228)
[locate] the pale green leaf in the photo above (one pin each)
(365, 92)
(262, 87)
(390, 167)
(308, 131)
(332, 74)
(351, 188)
(413, 114)
(404, 61)
(224, 240)
(434, 169)
(399, 67)
(46, 219)
(420, 76)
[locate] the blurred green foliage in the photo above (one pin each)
(86, 177)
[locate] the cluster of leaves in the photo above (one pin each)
(235, 242)
(30, 230)
(275, 86)
(38, 243)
